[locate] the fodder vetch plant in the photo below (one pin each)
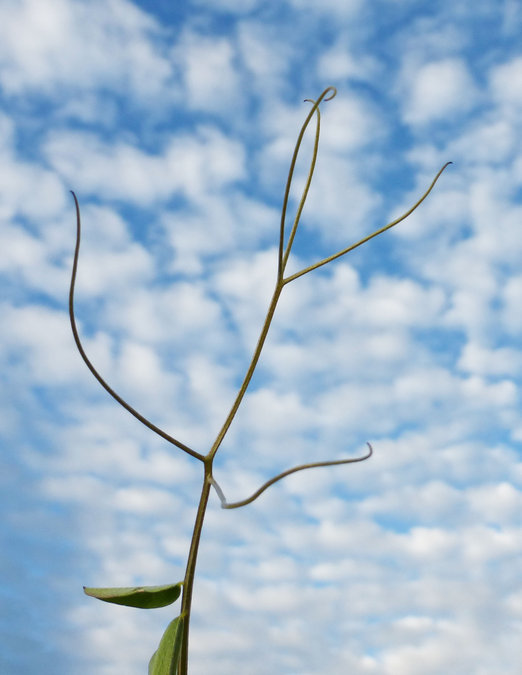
(171, 656)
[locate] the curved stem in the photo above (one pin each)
(88, 363)
(288, 472)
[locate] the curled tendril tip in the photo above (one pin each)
(275, 479)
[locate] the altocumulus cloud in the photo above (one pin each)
(175, 128)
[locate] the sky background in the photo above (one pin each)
(174, 123)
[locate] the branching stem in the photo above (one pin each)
(281, 282)
(370, 236)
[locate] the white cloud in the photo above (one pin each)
(350, 123)
(79, 44)
(101, 270)
(511, 295)
(144, 501)
(29, 190)
(390, 302)
(188, 165)
(140, 370)
(506, 84)
(439, 91)
(23, 254)
(265, 56)
(168, 316)
(236, 223)
(339, 63)
(436, 501)
(32, 336)
(274, 414)
(429, 544)
(246, 286)
(491, 140)
(341, 206)
(481, 360)
(99, 442)
(498, 503)
(208, 72)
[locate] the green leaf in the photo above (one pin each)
(145, 597)
(165, 659)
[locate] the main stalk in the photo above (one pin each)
(190, 570)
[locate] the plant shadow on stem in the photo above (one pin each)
(171, 657)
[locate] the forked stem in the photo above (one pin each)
(281, 281)
(344, 251)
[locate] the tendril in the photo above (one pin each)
(89, 364)
(295, 469)
(285, 252)
(370, 236)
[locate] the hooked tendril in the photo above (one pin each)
(288, 472)
(89, 364)
(283, 254)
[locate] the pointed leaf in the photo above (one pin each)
(165, 659)
(145, 597)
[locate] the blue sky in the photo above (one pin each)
(175, 128)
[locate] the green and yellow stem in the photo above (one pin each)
(281, 281)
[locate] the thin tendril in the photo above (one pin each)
(301, 467)
(370, 236)
(279, 283)
(282, 255)
(305, 191)
(93, 370)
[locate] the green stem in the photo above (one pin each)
(208, 459)
(190, 570)
(281, 281)
(208, 481)
(249, 373)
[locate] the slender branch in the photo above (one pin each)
(323, 97)
(305, 191)
(93, 370)
(283, 257)
(371, 236)
(250, 371)
(301, 467)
